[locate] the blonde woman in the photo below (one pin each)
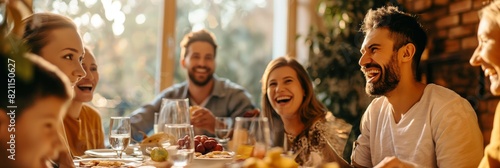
(55, 38)
(83, 123)
(487, 55)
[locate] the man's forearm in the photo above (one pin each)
(142, 120)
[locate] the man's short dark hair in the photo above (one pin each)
(202, 35)
(404, 28)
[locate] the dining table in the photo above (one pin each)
(136, 159)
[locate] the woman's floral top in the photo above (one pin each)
(317, 145)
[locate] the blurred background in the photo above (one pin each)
(136, 43)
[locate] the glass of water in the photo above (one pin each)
(180, 150)
(223, 126)
(174, 111)
(119, 134)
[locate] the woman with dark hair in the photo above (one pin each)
(487, 56)
(287, 93)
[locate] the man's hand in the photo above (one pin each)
(393, 162)
(203, 118)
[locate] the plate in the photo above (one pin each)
(101, 153)
(124, 160)
(128, 161)
(209, 162)
(214, 159)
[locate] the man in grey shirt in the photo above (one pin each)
(219, 97)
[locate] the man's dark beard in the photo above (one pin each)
(200, 83)
(388, 81)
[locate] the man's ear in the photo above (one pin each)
(408, 51)
(183, 62)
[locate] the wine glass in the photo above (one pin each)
(119, 134)
(223, 126)
(181, 149)
(174, 111)
(251, 137)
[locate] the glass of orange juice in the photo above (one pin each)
(251, 137)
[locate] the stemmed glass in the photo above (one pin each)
(251, 137)
(223, 126)
(181, 149)
(174, 111)
(119, 134)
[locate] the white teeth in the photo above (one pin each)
(201, 70)
(372, 73)
(489, 72)
(283, 98)
(85, 85)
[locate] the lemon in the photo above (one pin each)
(159, 154)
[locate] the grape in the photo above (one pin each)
(200, 149)
(203, 138)
(181, 142)
(196, 142)
(204, 144)
(218, 147)
(210, 144)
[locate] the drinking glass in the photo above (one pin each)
(155, 123)
(119, 134)
(181, 149)
(251, 137)
(174, 111)
(223, 126)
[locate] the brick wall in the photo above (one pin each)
(452, 27)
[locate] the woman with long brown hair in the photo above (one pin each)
(287, 93)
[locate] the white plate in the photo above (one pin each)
(101, 153)
(209, 162)
(215, 159)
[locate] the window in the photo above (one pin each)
(125, 36)
(244, 32)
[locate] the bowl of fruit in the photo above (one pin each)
(204, 144)
(209, 152)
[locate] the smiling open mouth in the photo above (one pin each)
(201, 70)
(283, 99)
(372, 74)
(85, 87)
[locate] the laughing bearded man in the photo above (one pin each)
(217, 97)
(409, 124)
